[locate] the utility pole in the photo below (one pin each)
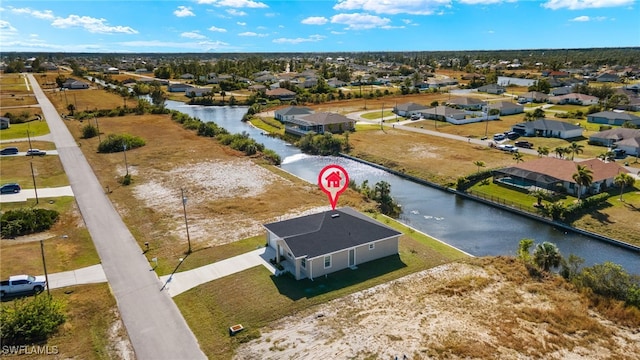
(124, 150)
(97, 128)
(186, 224)
(44, 264)
(35, 189)
(29, 138)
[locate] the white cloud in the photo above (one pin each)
(483, 2)
(92, 25)
(192, 35)
(235, 3)
(359, 21)
(241, 23)
(315, 20)
(196, 45)
(584, 4)
(183, 11)
(414, 7)
(234, 12)
(47, 14)
(581, 18)
(6, 26)
(338, 32)
(217, 29)
(312, 38)
(251, 33)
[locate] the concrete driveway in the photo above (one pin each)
(180, 282)
(25, 194)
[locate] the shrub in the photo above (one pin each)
(31, 319)
(89, 131)
(115, 143)
(27, 221)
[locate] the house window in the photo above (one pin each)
(303, 263)
(327, 261)
(372, 246)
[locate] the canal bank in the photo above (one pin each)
(506, 207)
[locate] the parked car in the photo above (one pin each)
(508, 147)
(619, 153)
(22, 283)
(9, 151)
(36, 152)
(512, 135)
(524, 144)
(415, 117)
(499, 137)
(10, 189)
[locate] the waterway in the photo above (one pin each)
(473, 227)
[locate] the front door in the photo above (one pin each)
(352, 257)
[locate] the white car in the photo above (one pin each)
(508, 147)
(22, 283)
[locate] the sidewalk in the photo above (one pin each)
(180, 282)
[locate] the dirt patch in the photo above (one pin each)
(454, 311)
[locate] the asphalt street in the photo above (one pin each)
(154, 324)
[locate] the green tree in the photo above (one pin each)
(607, 279)
(560, 151)
(479, 164)
(71, 109)
(575, 149)
(518, 157)
(616, 100)
(158, 96)
(571, 267)
(623, 180)
(607, 156)
(89, 131)
(539, 194)
(547, 256)
(543, 151)
(30, 320)
(583, 178)
(524, 250)
(629, 125)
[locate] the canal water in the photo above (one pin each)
(471, 226)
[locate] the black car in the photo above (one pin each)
(9, 151)
(10, 188)
(512, 135)
(524, 144)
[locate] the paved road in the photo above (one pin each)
(155, 326)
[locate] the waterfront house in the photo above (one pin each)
(322, 243)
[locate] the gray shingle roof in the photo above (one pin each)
(544, 124)
(325, 233)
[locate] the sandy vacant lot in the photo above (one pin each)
(484, 309)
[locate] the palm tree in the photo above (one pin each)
(539, 194)
(547, 256)
(575, 148)
(560, 151)
(517, 157)
(479, 164)
(543, 151)
(622, 180)
(583, 177)
(607, 156)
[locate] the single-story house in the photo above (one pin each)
(409, 109)
(606, 77)
(442, 112)
(291, 112)
(75, 84)
(622, 138)
(187, 76)
(281, 94)
(257, 88)
(506, 108)
(335, 83)
(548, 128)
(5, 123)
(319, 244)
(198, 92)
(506, 81)
(550, 173)
(563, 90)
(319, 123)
(466, 103)
(613, 118)
(438, 83)
(575, 99)
(533, 96)
(631, 92)
(179, 87)
(492, 89)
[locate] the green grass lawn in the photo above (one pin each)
(18, 131)
(254, 297)
(377, 114)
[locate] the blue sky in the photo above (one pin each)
(315, 25)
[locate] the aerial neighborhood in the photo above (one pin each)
(174, 206)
